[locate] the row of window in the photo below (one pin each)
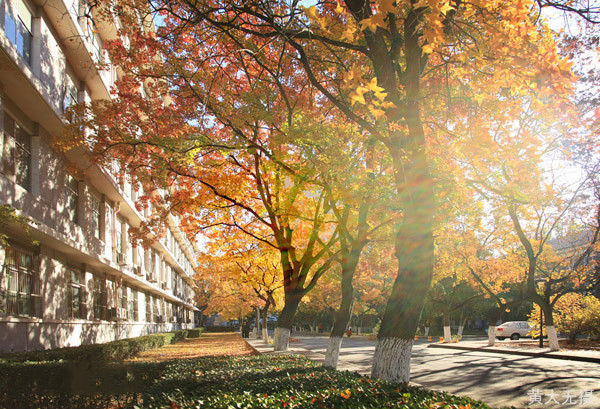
(18, 24)
(110, 300)
(15, 155)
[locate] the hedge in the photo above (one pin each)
(194, 333)
(113, 351)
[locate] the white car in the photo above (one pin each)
(513, 330)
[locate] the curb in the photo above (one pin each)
(521, 353)
(255, 351)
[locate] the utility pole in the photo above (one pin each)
(541, 327)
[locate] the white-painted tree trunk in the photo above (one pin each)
(281, 339)
(426, 334)
(265, 334)
(552, 338)
(333, 352)
(460, 330)
(491, 335)
(447, 334)
(392, 359)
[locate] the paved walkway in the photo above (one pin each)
(497, 379)
(209, 344)
(517, 348)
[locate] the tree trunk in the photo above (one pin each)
(461, 327)
(343, 315)
(447, 330)
(414, 238)
(286, 318)
(265, 314)
(426, 333)
(414, 251)
(491, 335)
(447, 333)
(550, 330)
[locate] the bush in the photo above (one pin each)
(578, 315)
(574, 314)
(113, 351)
(195, 332)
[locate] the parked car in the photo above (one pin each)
(513, 330)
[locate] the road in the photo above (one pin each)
(498, 379)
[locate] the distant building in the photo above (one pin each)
(74, 278)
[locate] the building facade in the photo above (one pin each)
(73, 277)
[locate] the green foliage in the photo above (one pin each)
(263, 381)
(114, 351)
(9, 215)
(195, 332)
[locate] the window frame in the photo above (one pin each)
(14, 152)
(99, 298)
(22, 283)
(16, 29)
(72, 192)
(76, 279)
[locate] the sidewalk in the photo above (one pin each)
(264, 348)
(507, 348)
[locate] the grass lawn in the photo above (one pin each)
(218, 371)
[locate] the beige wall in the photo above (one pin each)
(32, 94)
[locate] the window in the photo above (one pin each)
(70, 93)
(95, 216)
(133, 306)
(22, 284)
(99, 298)
(17, 25)
(155, 312)
(76, 294)
(173, 281)
(119, 237)
(122, 297)
(149, 308)
(16, 155)
(72, 199)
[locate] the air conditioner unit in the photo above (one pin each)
(121, 259)
(137, 270)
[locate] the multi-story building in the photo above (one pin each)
(73, 277)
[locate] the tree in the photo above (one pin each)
(402, 62)
(576, 314)
(247, 272)
(404, 72)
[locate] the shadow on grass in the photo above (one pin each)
(254, 381)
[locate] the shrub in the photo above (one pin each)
(194, 333)
(574, 314)
(113, 351)
(578, 315)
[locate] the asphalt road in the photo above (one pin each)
(498, 379)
